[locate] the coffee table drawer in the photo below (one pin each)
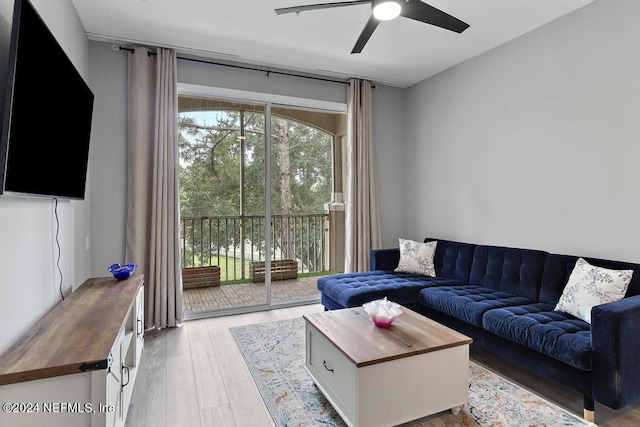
(335, 372)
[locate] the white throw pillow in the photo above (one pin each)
(589, 286)
(417, 257)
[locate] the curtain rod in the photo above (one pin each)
(243, 67)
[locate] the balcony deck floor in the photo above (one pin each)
(199, 300)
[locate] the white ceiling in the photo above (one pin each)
(399, 53)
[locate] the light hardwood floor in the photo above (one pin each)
(195, 376)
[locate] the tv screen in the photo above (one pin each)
(44, 145)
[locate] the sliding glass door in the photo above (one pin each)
(254, 179)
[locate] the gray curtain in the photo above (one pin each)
(153, 223)
(362, 228)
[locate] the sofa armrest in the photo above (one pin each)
(615, 332)
(384, 259)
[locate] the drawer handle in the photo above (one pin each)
(125, 368)
(324, 363)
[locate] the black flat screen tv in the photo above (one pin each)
(46, 123)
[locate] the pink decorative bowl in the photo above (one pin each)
(382, 312)
(383, 324)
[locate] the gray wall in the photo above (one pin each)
(390, 138)
(199, 73)
(108, 157)
(535, 143)
(29, 279)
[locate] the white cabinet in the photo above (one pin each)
(131, 352)
(78, 365)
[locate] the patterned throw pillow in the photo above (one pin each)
(589, 286)
(417, 258)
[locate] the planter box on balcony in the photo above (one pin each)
(200, 277)
(280, 269)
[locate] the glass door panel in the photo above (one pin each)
(301, 185)
(222, 204)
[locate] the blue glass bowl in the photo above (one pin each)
(122, 271)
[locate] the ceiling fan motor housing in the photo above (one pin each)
(385, 10)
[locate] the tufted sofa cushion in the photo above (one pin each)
(468, 302)
(453, 259)
(354, 289)
(538, 327)
(511, 270)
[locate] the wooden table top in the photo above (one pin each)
(80, 330)
(353, 332)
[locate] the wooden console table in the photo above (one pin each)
(77, 366)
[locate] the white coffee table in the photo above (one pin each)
(386, 376)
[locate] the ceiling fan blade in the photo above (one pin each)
(298, 9)
(368, 29)
(415, 9)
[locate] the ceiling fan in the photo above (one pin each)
(384, 10)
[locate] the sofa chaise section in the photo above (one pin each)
(452, 260)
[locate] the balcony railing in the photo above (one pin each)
(233, 242)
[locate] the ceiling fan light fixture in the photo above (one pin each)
(386, 10)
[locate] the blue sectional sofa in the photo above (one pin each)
(504, 298)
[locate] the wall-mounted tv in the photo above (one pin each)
(46, 122)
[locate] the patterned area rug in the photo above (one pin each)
(274, 353)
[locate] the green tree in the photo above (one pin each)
(211, 177)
